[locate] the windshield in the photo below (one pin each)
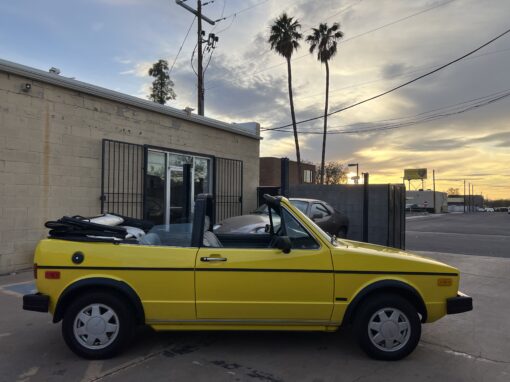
(326, 236)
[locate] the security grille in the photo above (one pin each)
(122, 178)
(228, 188)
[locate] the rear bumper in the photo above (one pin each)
(460, 304)
(36, 302)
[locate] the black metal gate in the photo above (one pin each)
(228, 188)
(122, 178)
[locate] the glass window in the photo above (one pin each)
(307, 176)
(319, 209)
(174, 235)
(201, 170)
(300, 205)
(297, 234)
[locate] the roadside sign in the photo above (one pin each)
(415, 173)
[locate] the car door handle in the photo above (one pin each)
(213, 259)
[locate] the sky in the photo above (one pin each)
(112, 43)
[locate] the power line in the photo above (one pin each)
(418, 118)
(405, 74)
(180, 48)
(399, 86)
(241, 11)
(348, 39)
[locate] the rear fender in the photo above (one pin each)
(80, 286)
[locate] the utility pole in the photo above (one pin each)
(434, 187)
(365, 207)
(473, 194)
(200, 70)
(464, 196)
(200, 53)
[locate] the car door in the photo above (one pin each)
(260, 284)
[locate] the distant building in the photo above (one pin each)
(456, 202)
(270, 172)
(424, 200)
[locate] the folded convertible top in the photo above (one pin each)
(79, 228)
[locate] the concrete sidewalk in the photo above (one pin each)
(473, 346)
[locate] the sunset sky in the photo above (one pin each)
(112, 43)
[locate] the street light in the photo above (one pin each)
(356, 178)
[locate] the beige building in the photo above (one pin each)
(71, 148)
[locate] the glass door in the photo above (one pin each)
(155, 188)
(173, 183)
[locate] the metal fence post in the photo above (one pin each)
(365, 207)
(284, 177)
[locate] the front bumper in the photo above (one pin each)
(36, 302)
(461, 303)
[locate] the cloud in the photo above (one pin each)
(247, 82)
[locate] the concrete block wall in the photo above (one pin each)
(348, 199)
(50, 156)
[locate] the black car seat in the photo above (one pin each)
(210, 239)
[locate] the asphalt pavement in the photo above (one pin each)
(479, 234)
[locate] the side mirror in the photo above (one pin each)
(284, 243)
(317, 215)
(267, 228)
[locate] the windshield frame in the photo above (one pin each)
(330, 239)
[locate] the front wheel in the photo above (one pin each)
(388, 327)
(97, 325)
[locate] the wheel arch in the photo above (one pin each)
(386, 286)
(99, 283)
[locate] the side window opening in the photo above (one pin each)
(298, 235)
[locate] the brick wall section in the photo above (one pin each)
(50, 156)
(270, 171)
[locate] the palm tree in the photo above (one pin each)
(284, 39)
(324, 40)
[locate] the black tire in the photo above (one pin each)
(375, 346)
(115, 341)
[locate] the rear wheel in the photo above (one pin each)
(387, 327)
(97, 325)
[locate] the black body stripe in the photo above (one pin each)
(253, 270)
(114, 268)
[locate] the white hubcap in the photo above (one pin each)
(96, 326)
(389, 329)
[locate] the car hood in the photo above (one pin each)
(378, 257)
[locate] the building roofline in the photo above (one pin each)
(250, 129)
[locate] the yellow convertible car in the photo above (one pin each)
(184, 277)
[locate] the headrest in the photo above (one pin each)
(207, 223)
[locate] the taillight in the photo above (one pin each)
(52, 275)
(35, 271)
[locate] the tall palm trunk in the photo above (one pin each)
(293, 115)
(323, 161)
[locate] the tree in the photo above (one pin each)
(334, 173)
(452, 191)
(324, 40)
(162, 86)
(284, 39)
